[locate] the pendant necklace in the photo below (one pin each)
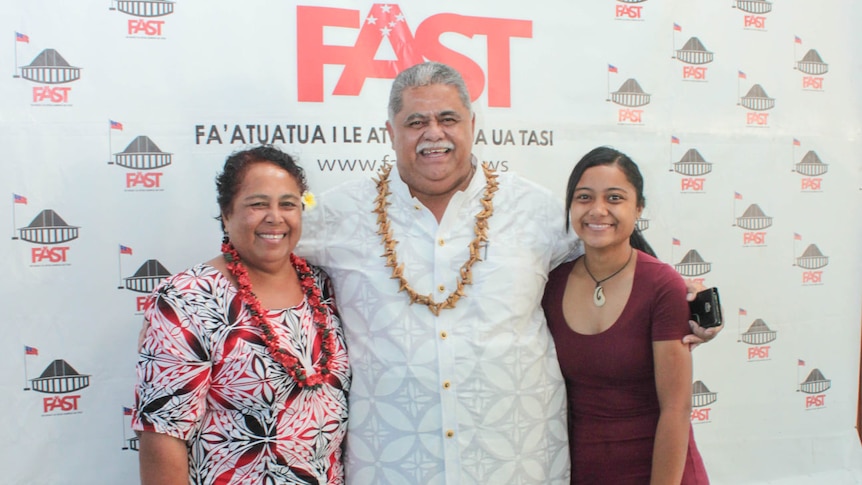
(599, 294)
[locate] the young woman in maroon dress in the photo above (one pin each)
(618, 315)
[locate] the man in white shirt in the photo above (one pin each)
(439, 268)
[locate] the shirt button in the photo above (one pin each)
(443, 335)
(447, 384)
(417, 207)
(450, 433)
(441, 288)
(441, 242)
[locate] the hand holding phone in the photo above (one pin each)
(706, 308)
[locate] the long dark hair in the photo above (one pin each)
(609, 156)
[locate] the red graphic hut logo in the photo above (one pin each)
(759, 334)
(628, 10)
(134, 443)
(693, 52)
(692, 264)
(754, 6)
(815, 383)
(59, 378)
(692, 164)
(49, 67)
(48, 228)
(811, 165)
(753, 219)
(145, 8)
(630, 95)
(142, 154)
(701, 398)
(147, 277)
(757, 100)
(812, 258)
(812, 64)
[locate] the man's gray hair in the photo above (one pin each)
(426, 74)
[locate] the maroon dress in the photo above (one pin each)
(610, 383)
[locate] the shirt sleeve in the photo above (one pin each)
(670, 311)
(173, 367)
(313, 244)
(564, 244)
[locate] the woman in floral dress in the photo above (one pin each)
(242, 373)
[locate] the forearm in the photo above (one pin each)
(163, 460)
(671, 446)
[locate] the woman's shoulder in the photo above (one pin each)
(563, 269)
(657, 271)
(200, 277)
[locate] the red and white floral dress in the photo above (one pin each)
(205, 376)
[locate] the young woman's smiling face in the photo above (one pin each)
(605, 207)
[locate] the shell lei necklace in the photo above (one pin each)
(466, 276)
(599, 293)
(325, 335)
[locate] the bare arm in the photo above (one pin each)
(163, 460)
(673, 385)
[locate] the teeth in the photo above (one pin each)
(272, 236)
(435, 150)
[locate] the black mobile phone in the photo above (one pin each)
(706, 308)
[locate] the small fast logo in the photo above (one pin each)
(145, 22)
(810, 167)
(702, 400)
(811, 65)
(144, 280)
(692, 265)
(129, 443)
(692, 166)
(753, 222)
(756, 101)
(61, 381)
(50, 71)
(694, 56)
(814, 386)
(629, 10)
(755, 11)
(48, 232)
(811, 262)
(142, 158)
(630, 96)
(758, 336)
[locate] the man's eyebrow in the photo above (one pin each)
(415, 116)
(449, 113)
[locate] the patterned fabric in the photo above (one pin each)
(205, 376)
(613, 402)
(475, 395)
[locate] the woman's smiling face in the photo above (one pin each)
(265, 218)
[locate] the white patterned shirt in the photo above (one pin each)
(474, 395)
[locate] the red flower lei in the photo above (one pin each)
(258, 315)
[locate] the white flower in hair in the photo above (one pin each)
(308, 200)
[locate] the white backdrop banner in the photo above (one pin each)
(744, 115)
